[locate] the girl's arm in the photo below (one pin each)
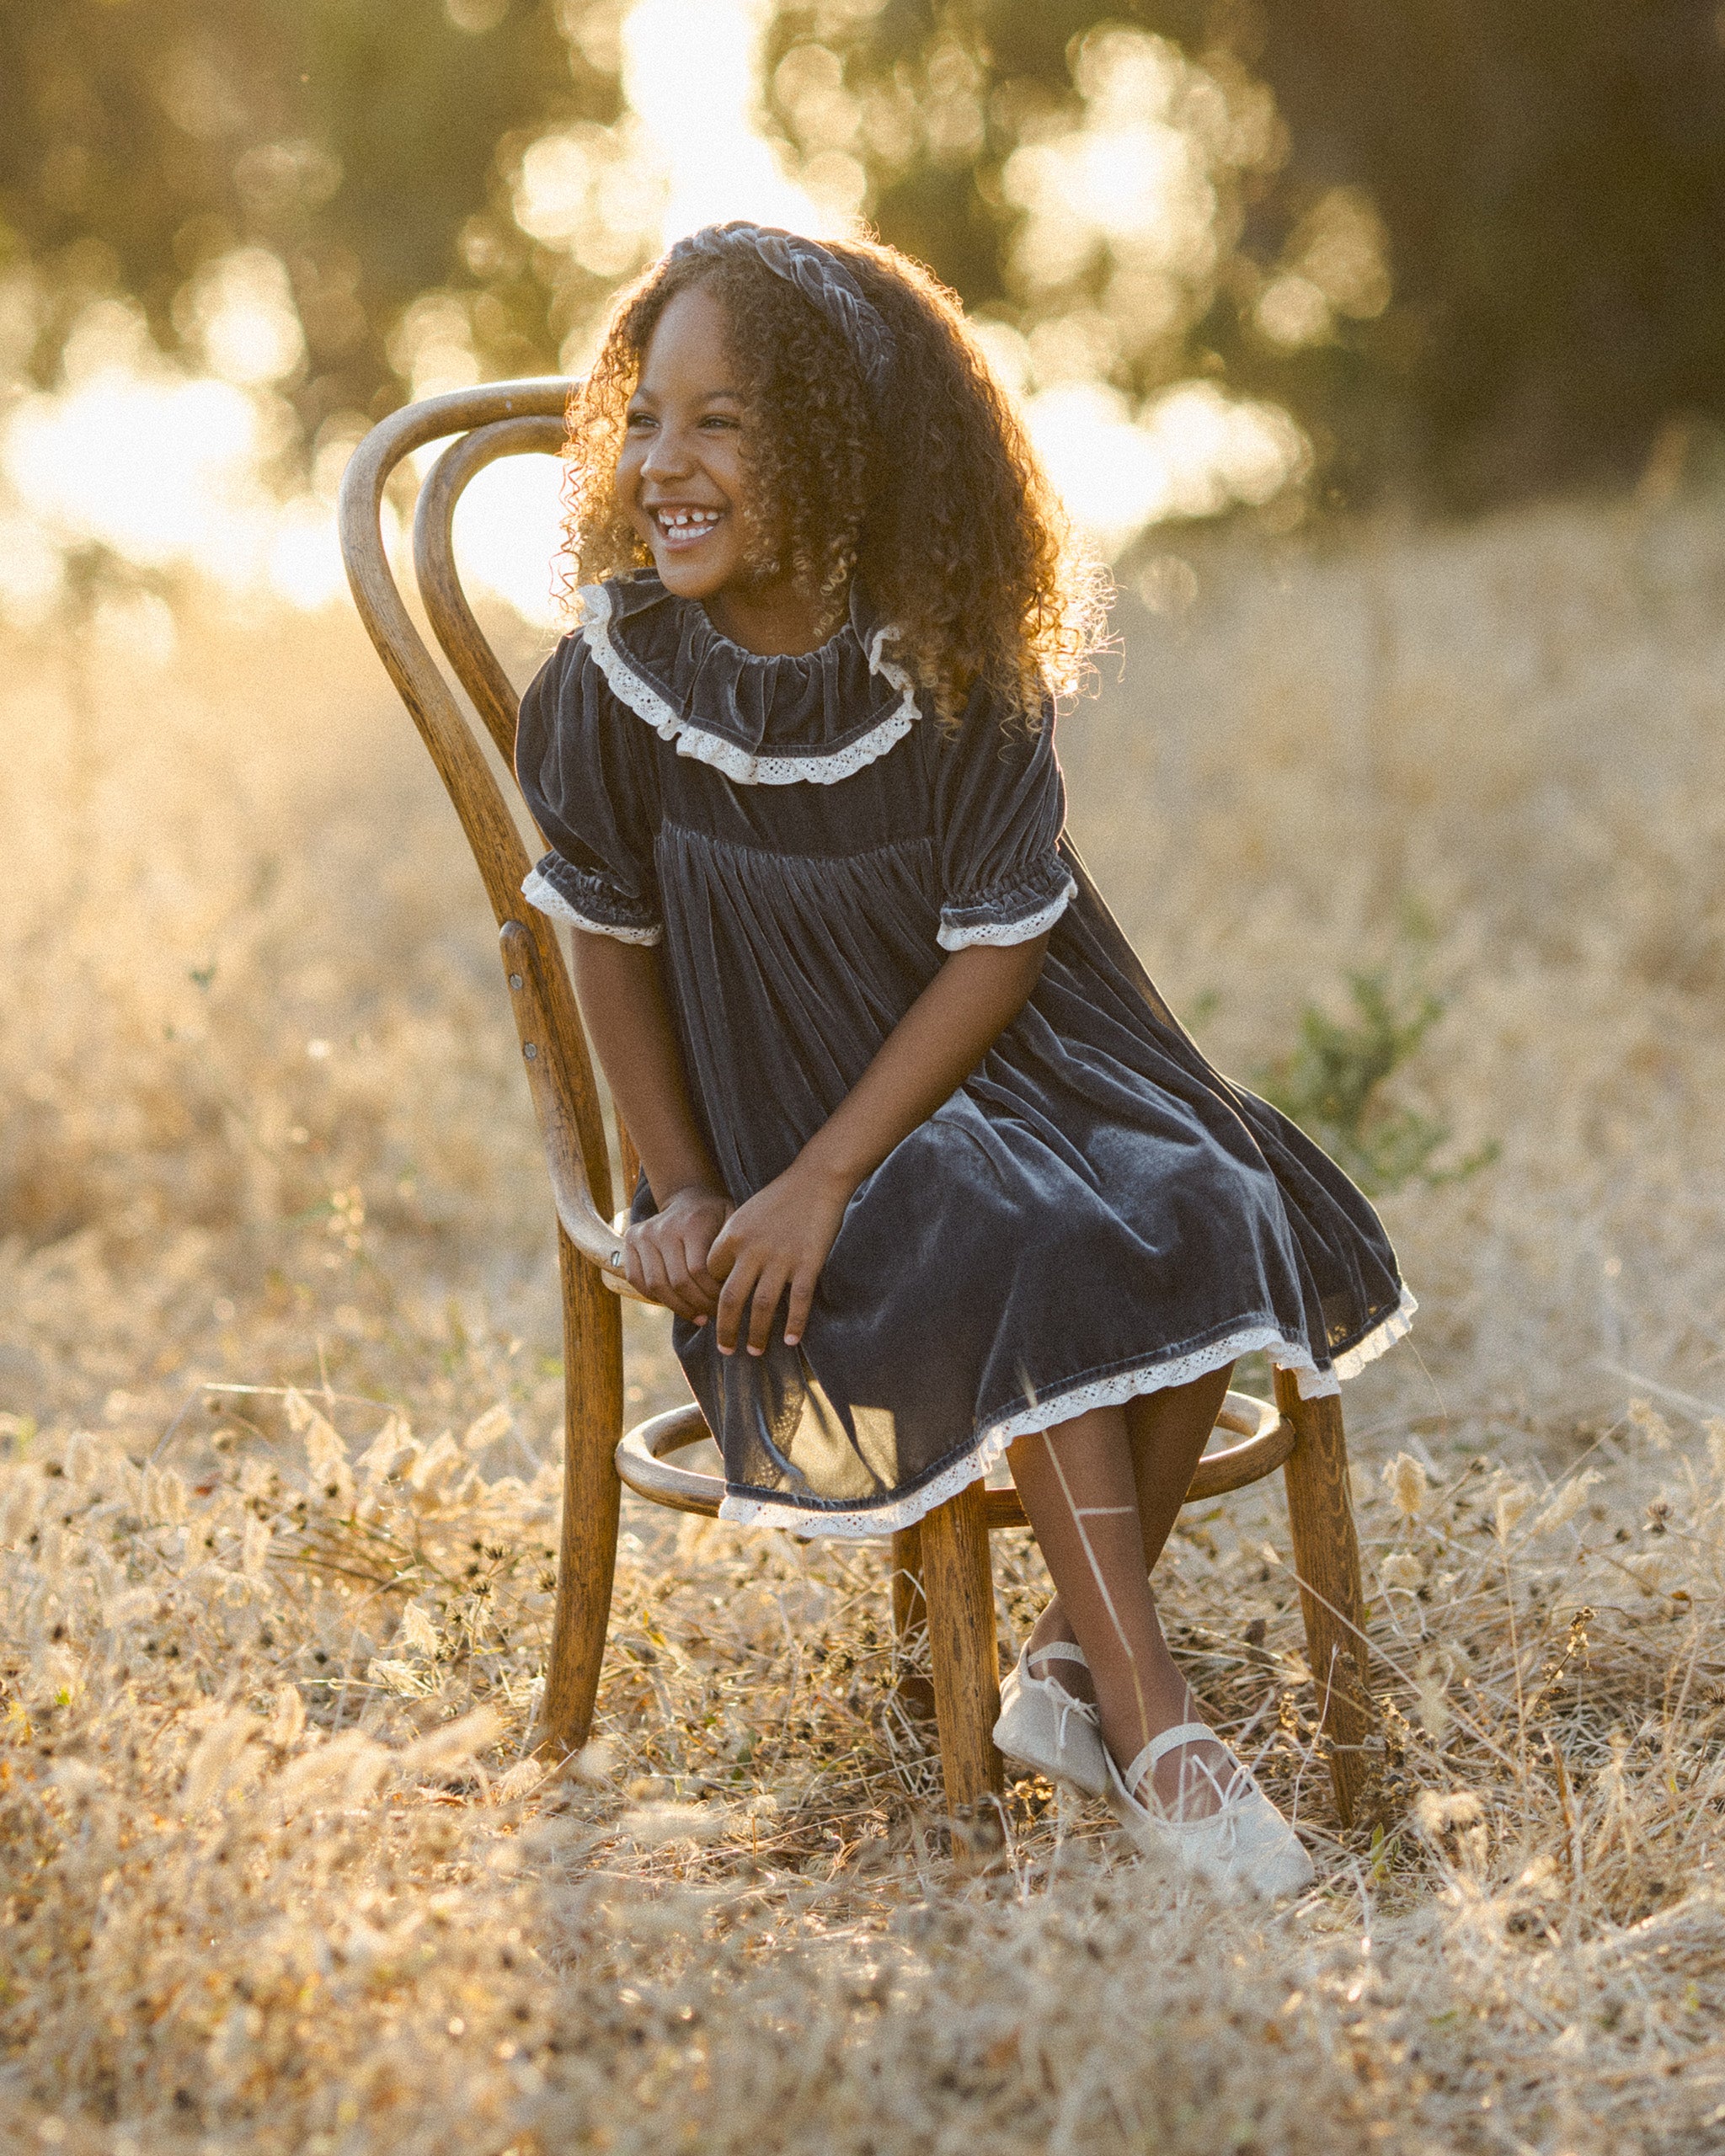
(623, 1003)
(780, 1238)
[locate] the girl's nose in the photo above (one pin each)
(667, 455)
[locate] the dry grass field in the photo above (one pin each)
(281, 1415)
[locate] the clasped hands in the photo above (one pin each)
(707, 1262)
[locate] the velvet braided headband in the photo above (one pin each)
(818, 275)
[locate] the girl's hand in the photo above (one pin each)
(667, 1257)
(778, 1240)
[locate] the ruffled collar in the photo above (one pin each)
(812, 719)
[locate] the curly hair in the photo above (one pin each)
(930, 493)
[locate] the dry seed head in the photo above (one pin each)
(391, 1442)
(649, 1826)
(1408, 1485)
(1430, 1686)
(595, 1762)
(56, 1676)
(131, 1606)
(453, 1746)
(411, 1679)
(1453, 1823)
(417, 1633)
(1651, 1425)
(343, 1771)
(487, 1428)
(332, 1475)
(50, 1552)
(521, 1782)
(1647, 1568)
(254, 1547)
(217, 1762)
(1568, 1502)
(255, 1478)
(20, 1500)
(436, 1466)
(163, 1494)
(1513, 1500)
(1401, 1568)
(287, 1724)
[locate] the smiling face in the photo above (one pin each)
(684, 481)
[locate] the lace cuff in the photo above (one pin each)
(557, 887)
(1008, 913)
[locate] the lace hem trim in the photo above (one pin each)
(1378, 1341)
(544, 897)
(813, 766)
(960, 938)
(1061, 1407)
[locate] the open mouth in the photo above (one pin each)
(681, 529)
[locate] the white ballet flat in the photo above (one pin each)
(1042, 1726)
(1245, 1843)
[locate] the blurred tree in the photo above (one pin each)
(1477, 250)
(1474, 249)
(144, 144)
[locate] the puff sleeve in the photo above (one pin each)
(1000, 808)
(587, 779)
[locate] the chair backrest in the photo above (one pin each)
(498, 419)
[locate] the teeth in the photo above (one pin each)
(684, 519)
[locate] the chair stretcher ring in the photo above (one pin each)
(645, 1464)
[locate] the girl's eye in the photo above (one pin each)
(718, 419)
(634, 420)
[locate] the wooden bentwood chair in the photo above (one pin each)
(941, 1572)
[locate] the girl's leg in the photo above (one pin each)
(1168, 1431)
(1079, 1487)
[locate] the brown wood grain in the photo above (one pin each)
(565, 1156)
(631, 1161)
(453, 622)
(643, 1463)
(911, 1618)
(593, 1413)
(1326, 1561)
(963, 1647)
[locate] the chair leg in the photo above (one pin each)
(1327, 1559)
(593, 1422)
(911, 1618)
(965, 1648)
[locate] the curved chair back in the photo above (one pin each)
(507, 420)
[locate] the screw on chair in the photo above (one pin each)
(942, 1574)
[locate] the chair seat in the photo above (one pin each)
(646, 1465)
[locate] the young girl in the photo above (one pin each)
(931, 1173)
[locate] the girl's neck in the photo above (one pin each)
(772, 619)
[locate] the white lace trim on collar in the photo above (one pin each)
(813, 766)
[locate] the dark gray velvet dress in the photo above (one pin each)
(1094, 1214)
